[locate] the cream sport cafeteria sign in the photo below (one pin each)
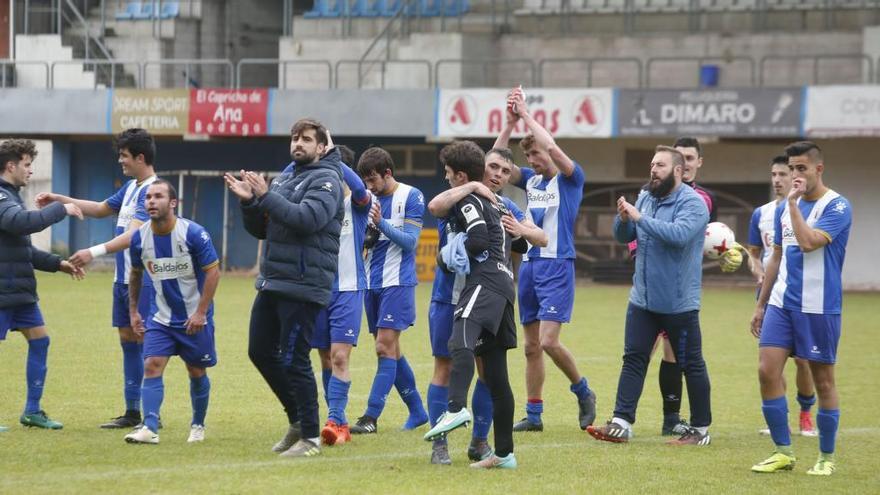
(583, 113)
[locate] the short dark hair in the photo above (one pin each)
(504, 153)
(377, 160)
(464, 156)
(302, 125)
(347, 155)
(138, 142)
(677, 156)
(172, 192)
(527, 142)
(779, 160)
(13, 150)
(689, 142)
(801, 148)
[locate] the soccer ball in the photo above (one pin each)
(719, 238)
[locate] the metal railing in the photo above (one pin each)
(383, 67)
(699, 61)
(5, 81)
(816, 59)
(590, 63)
(282, 67)
(95, 63)
(224, 65)
(529, 80)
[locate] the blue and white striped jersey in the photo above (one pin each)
(761, 230)
(387, 265)
(128, 202)
(811, 282)
(553, 206)
(176, 262)
(351, 275)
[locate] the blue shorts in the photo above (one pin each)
(391, 307)
(121, 317)
(196, 350)
(546, 290)
(440, 316)
(340, 321)
(811, 337)
(19, 317)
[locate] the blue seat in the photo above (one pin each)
(322, 8)
(170, 10)
(389, 8)
(455, 8)
(131, 9)
(147, 10)
(363, 8)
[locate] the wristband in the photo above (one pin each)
(98, 250)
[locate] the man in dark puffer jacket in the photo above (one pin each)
(300, 217)
(18, 259)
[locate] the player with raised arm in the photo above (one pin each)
(391, 280)
(760, 248)
(483, 322)
(137, 153)
(555, 186)
(19, 308)
(798, 311)
(179, 257)
(447, 290)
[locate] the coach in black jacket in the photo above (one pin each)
(18, 259)
(299, 217)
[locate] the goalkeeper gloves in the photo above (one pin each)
(732, 258)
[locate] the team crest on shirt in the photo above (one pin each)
(840, 207)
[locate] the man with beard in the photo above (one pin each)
(669, 221)
(300, 217)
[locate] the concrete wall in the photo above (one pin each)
(48, 48)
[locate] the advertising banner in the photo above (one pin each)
(835, 111)
(160, 111)
(568, 113)
(228, 112)
(751, 112)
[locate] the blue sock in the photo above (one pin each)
(534, 408)
(806, 402)
(133, 373)
(337, 399)
(580, 389)
(776, 415)
(481, 403)
(199, 393)
(152, 392)
(405, 383)
(382, 384)
(38, 353)
(325, 379)
(437, 398)
(827, 421)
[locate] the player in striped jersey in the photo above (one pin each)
(555, 186)
(391, 282)
(137, 153)
(338, 326)
(179, 257)
(447, 289)
(803, 287)
(760, 248)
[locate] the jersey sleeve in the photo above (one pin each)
(836, 218)
(115, 201)
(415, 208)
(577, 178)
(135, 250)
(201, 248)
(755, 229)
(140, 209)
(777, 224)
(514, 209)
(469, 213)
(526, 173)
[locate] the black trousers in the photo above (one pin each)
(642, 328)
(279, 348)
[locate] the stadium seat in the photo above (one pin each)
(455, 8)
(131, 10)
(170, 10)
(147, 10)
(388, 8)
(322, 8)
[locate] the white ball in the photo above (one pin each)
(719, 238)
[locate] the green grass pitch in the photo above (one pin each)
(244, 420)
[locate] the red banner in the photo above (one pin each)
(228, 112)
